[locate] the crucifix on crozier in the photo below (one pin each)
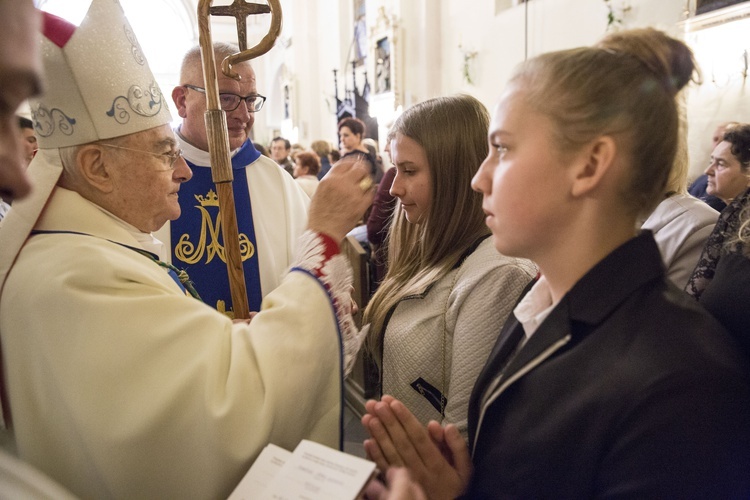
(240, 10)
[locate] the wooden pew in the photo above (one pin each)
(354, 387)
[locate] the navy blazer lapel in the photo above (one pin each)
(586, 305)
(551, 334)
(507, 341)
(505, 346)
(590, 300)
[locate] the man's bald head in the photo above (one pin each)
(192, 66)
(190, 97)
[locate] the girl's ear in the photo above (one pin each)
(592, 164)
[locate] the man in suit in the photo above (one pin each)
(280, 149)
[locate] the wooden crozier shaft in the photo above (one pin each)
(221, 166)
(221, 173)
(218, 138)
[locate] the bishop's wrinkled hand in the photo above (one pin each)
(340, 202)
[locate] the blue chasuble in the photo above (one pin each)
(198, 241)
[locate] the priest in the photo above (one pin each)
(271, 207)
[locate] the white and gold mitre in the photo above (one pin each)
(98, 84)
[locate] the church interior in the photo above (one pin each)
(330, 54)
(374, 62)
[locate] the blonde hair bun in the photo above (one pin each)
(669, 59)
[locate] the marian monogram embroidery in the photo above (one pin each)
(208, 242)
(197, 238)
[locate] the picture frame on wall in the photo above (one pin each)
(704, 14)
(383, 65)
(384, 59)
(360, 31)
(704, 6)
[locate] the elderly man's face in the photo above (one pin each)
(145, 182)
(19, 80)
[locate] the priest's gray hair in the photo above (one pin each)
(191, 62)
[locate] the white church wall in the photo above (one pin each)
(500, 42)
(272, 72)
(422, 33)
(318, 36)
(429, 35)
(334, 33)
(722, 53)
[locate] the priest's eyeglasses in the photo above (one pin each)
(230, 102)
(170, 157)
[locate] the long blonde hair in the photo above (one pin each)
(453, 133)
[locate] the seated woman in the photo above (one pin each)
(699, 185)
(681, 223)
(306, 168)
(720, 280)
(734, 157)
(607, 381)
(351, 133)
(729, 170)
(437, 312)
(727, 295)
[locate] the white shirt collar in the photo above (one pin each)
(534, 308)
(195, 155)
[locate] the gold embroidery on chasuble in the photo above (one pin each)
(208, 241)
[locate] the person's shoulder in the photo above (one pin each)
(83, 260)
(270, 168)
(271, 175)
(679, 216)
(266, 162)
(486, 257)
(697, 211)
(485, 265)
(680, 207)
(664, 319)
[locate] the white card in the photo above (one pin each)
(317, 472)
(261, 474)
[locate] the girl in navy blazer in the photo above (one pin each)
(607, 380)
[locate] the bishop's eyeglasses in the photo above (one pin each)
(169, 157)
(230, 102)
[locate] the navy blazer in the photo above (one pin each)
(628, 389)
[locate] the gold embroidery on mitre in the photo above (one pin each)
(191, 253)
